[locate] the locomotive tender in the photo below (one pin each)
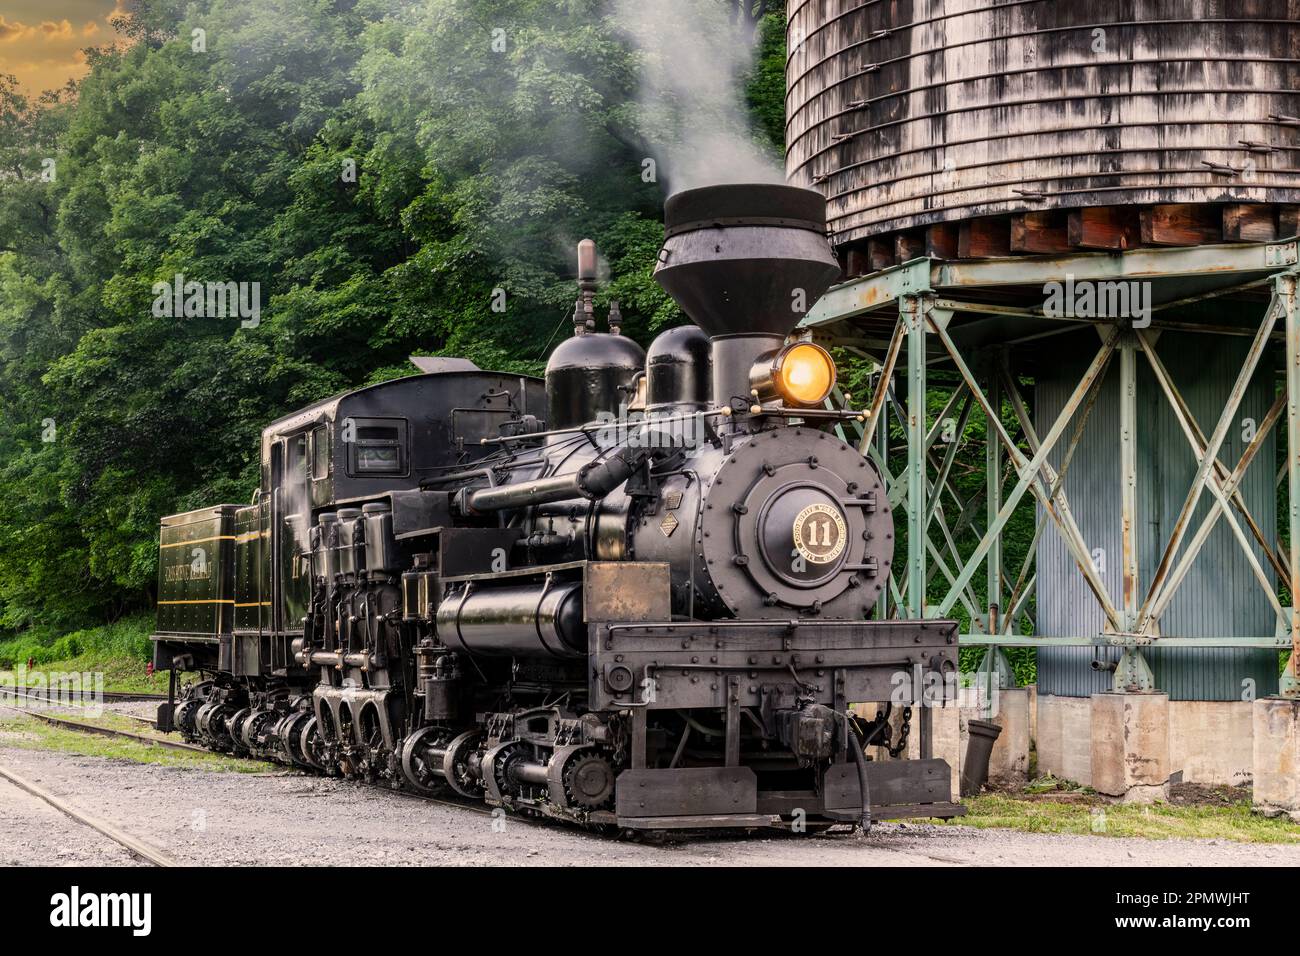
(635, 593)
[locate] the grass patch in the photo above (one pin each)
(125, 674)
(1081, 813)
(120, 651)
(27, 733)
(127, 639)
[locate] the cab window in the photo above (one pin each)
(320, 453)
(378, 447)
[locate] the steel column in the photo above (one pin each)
(914, 311)
(993, 500)
(1284, 291)
(1128, 476)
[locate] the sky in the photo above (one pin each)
(41, 40)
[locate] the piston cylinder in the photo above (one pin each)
(381, 548)
(324, 547)
(524, 621)
(351, 541)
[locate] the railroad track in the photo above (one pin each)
(108, 731)
(178, 745)
(456, 804)
(134, 845)
(656, 840)
(108, 696)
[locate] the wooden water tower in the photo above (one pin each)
(1071, 228)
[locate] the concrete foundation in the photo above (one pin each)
(1210, 742)
(1130, 746)
(1009, 762)
(1276, 757)
(1032, 691)
(1065, 738)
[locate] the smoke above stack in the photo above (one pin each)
(692, 61)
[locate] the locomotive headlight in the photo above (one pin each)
(801, 374)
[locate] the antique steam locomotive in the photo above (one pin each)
(634, 594)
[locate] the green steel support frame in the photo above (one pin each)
(928, 295)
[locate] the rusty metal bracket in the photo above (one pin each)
(1133, 673)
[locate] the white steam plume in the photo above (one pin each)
(693, 62)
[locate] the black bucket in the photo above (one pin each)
(975, 768)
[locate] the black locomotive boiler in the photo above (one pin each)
(634, 594)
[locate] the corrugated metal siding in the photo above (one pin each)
(910, 112)
(1220, 596)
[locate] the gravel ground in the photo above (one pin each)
(229, 819)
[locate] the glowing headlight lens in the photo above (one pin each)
(804, 374)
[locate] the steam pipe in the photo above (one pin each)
(363, 659)
(593, 481)
(733, 356)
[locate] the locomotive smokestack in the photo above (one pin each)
(745, 262)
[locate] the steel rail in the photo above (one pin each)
(107, 697)
(158, 858)
(108, 731)
(119, 696)
(134, 845)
